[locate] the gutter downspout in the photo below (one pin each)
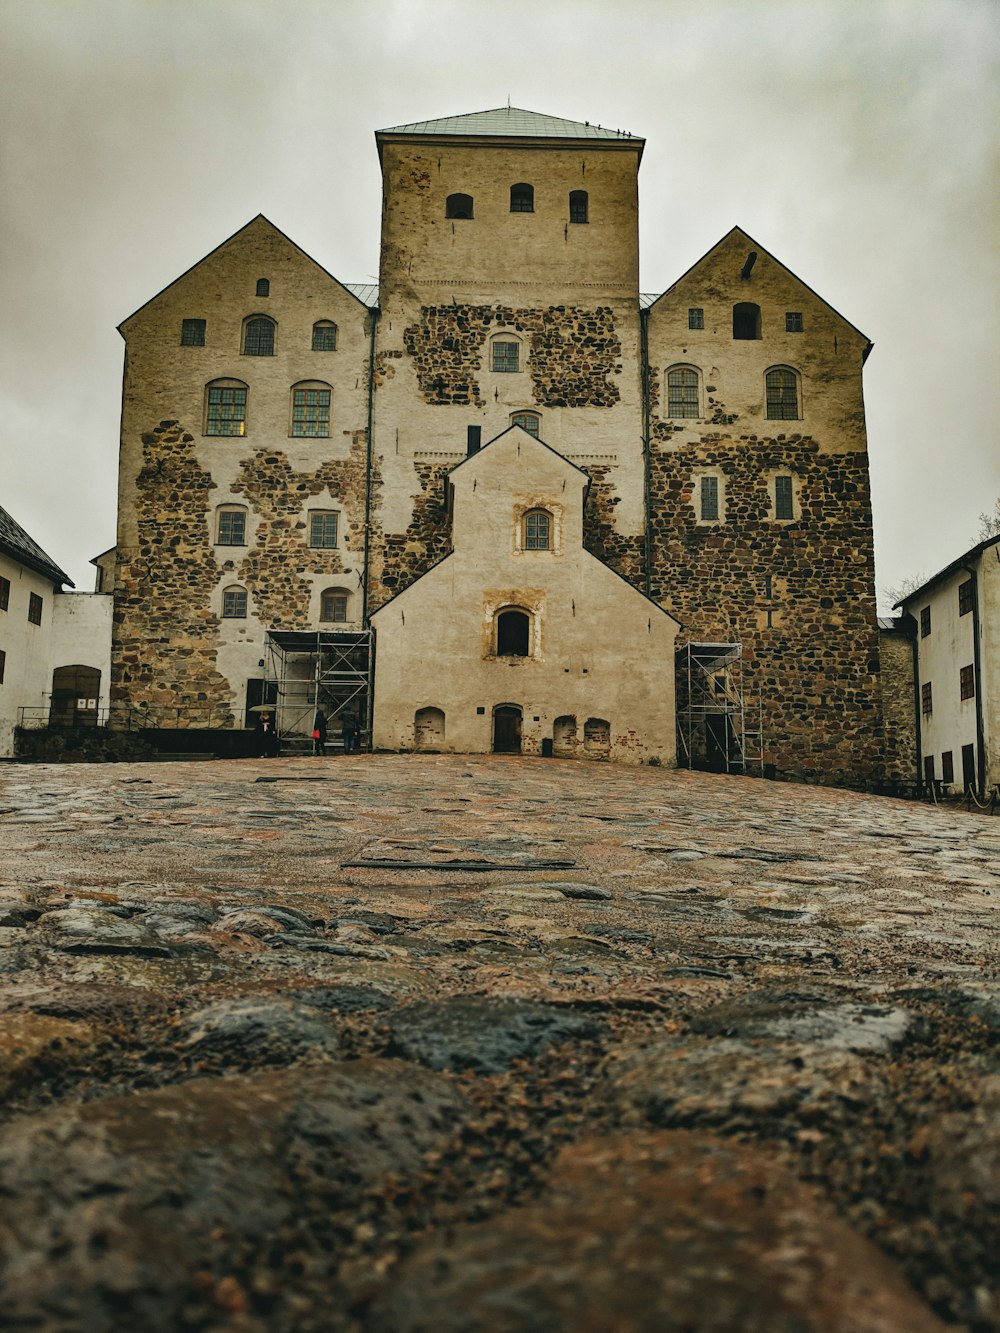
(978, 677)
(647, 554)
(368, 470)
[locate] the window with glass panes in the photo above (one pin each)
(4, 594)
(967, 682)
(232, 527)
(227, 411)
(527, 421)
(925, 621)
(696, 317)
(965, 597)
(537, 531)
(926, 697)
(578, 205)
(782, 395)
(333, 605)
(259, 338)
(793, 321)
(192, 333)
(34, 608)
(505, 356)
(323, 529)
(709, 492)
(783, 504)
(324, 337)
(311, 412)
(234, 604)
(682, 392)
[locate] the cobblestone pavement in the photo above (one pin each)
(400, 1043)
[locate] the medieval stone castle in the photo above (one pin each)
(503, 500)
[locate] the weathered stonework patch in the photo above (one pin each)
(427, 538)
(574, 353)
(165, 636)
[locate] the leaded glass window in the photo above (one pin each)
(323, 529)
(783, 504)
(782, 395)
(538, 531)
(506, 356)
(682, 392)
(259, 337)
(709, 493)
(234, 604)
(227, 410)
(232, 527)
(311, 412)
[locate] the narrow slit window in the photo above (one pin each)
(34, 608)
(925, 621)
(783, 503)
(709, 499)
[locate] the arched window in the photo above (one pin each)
(428, 728)
(513, 633)
(529, 421)
(324, 336)
(458, 206)
(536, 530)
(311, 410)
(505, 354)
(782, 385)
(522, 198)
(226, 407)
(231, 525)
(746, 320)
(258, 336)
(578, 205)
(682, 392)
(333, 605)
(263, 287)
(234, 603)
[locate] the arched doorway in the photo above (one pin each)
(76, 692)
(428, 728)
(507, 729)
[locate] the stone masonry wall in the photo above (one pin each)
(896, 651)
(573, 352)
(815, 666)
(166, 635)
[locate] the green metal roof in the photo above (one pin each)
(507, 122)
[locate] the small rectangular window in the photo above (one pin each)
(35, 608)
(965, 597)
(3, 664)
(967, 682)
(232, 528)
(4, 594)
(710, 499)
(578, 205)
(947, 767)
(234, 604)
(926, 697)
(192, 333)
(505, 357)
(696, 317)
(793, 321)
(783, 498)
(925, 621)
(928, 768)
(323, 530)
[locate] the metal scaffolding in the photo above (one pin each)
(718, 728)
(306, 670)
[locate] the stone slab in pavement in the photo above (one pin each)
(250, 966)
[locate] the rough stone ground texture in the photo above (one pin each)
(694, 1052)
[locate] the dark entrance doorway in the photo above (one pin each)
(968, 767)
(76, 693)
(507, 729)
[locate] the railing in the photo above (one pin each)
(119, 718)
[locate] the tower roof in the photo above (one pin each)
(511, 122)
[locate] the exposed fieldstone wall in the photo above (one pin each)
(574, 353)
(896, 652)
(427, 538)
(275, 567)
(600, 536)
(816, 664)
(165, 637)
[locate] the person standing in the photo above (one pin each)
(349, 727)
(267, 736)
(319, 733)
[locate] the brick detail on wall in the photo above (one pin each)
(573, 353)
(816, 668)
(165, 636)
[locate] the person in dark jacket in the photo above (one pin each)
(349, 727)
(319, 732)
(267, 736)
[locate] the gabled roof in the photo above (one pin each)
(510, 122)
(16, 543)
(956, 565)
(470, 458)
(239, 232)
(738, 231)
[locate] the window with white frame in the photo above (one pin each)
(323, 529)
(536, 530)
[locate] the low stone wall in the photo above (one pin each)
(80, 745)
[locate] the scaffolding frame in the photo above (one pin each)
(307, 670)
(718, 728)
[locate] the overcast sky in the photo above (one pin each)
(856, 140)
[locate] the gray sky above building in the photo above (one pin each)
(857, 140)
